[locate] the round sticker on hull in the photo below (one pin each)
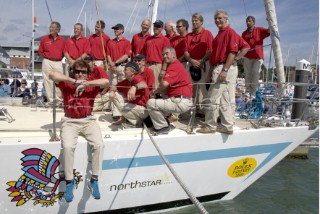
(242, 167)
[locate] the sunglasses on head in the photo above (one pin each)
(157, 26)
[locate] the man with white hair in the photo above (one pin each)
(222, 73)
(170, 29)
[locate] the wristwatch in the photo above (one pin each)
(225, 69)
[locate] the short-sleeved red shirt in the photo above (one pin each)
(96, 45)
(137, 43)
(153, 48)
(226, 41)
(52, 48)
(179, 44)
(142, 95)
(97, 73)
(77, 107)
(198, 44)
(255, 40)
(76, 47)
(148, 76)
(179, 80)
(116, 49)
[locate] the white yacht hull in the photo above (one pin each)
(213, 166)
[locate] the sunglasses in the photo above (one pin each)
(157, 26)
(179, 26)
(23, 83)
(80, 71)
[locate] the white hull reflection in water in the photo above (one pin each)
(134, 178)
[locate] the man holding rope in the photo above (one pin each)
(253, 60)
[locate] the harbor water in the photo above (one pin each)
(292, 186)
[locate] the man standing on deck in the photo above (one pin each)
(223, 74)
(179, 43)
(197, 53)
(79, 94)
(170, 29)
(118, 52)
(77, 47)
(51, 49)
(153, 51)
(139, 39)
(253, 60)
(98, 43)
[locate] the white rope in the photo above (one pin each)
(131, 14)
(184, 187)
(84, 3)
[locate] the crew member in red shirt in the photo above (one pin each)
(135, 90)
(223, 74)
(253, 60)
(51, 49)
(197, 53)
(153, 50)
(76, 47)
(98, 43)
(79, 94)
(170, 29)
(179, 42)
(177, 85)
(118, 52)
(145, 72)
(139, 39)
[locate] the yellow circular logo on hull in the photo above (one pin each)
(242, 167)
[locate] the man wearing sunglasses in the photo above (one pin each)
(78, 97)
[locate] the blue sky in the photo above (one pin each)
(298, 21)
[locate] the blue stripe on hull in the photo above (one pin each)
(124, 163)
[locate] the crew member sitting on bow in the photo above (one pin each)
(78, 96)
(135, 90)
(177, 85)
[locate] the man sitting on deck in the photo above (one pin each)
(178, 86)
(135, 89)
(78, 98)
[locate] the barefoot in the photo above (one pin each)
(119, 122)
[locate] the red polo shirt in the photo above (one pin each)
(148, 76)
(179, 44)
(198, 44)
(225, 42)
(77, 107)
(97, 73)
(153, 48)
(50, 48)
(179, 80)
(96, 45)
(142, 95)
(76, 47)
(116, 49)
(137, 43)
(255, 40)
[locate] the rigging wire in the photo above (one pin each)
(131, 14)
(48, 10)
(134, 22)
(84, 3)
(245, 9)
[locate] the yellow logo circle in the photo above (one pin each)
(242, 167)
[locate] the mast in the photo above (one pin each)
(275, 39)
(32, 45)
(153, 16)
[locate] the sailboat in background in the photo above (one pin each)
(134, 178)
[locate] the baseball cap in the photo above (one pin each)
(89, 57)
(158, 23)
(139, 56)
(118, 26)
(133, 65)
